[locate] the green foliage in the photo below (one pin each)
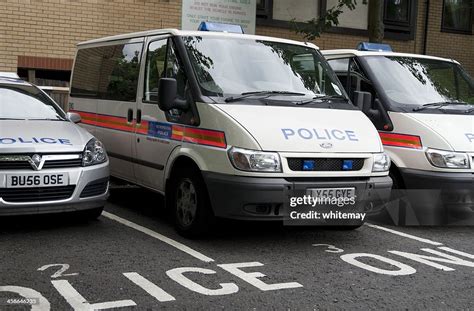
(314, 27)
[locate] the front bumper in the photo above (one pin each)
(80, 178)
(257, 198)
(433, 188)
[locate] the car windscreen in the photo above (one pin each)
(420, 81)
(229, 66)
(27, 102)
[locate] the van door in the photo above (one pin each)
(118, 82)
(153, 143)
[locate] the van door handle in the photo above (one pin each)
(139, 116)
(130, 115)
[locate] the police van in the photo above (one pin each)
(224, 124)
(423, 107)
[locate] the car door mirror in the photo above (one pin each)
(168, 95)
(376, 113)
(73, 117)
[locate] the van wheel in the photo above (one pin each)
(191, 205)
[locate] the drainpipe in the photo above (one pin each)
(425, 35)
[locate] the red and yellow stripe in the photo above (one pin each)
(401, 140)
(180, 133)
(199, 136)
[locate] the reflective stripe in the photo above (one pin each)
(179, 132)
(401, 140)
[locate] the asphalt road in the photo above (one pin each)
(132, 259)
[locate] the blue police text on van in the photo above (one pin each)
(319, 134)
(34, 140)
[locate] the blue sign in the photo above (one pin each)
(160, 130)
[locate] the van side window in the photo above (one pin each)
(107, 72)
(352, 76)
(162, 62)
(155, 69)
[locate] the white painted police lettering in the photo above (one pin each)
(319, 134)
(470, 137)
(34, 140)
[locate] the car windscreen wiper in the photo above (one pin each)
(321, 98)
(47, 119)
(11, 119)
(261, 93)
(439, 105)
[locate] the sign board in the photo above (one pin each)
(240, 12)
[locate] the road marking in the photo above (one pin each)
(149, 287)
(159, 236)
(79, 303)
(405, 235)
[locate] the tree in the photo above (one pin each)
(313, 28)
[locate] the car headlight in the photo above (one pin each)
(94, 153)
(254, 161)
(447, 159)
(381, 162)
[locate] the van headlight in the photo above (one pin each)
(447, 159)
(94, 153)
(381, 162)
(254, 161)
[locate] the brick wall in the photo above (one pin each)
(51, 28)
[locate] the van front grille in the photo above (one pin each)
(325, 164)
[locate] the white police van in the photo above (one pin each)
(224, 124)
(423, 107)
(48, 164)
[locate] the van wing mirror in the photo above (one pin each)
(377, 114)
(73, 117)
(167, 95)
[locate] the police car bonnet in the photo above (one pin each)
(291, 129)
(42, 136)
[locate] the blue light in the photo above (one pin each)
(208, 26)
(308, 165)
(347, 165)
(374, 47)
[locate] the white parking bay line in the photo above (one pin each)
(405, 235)
(158, 236)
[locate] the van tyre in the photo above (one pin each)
(191, 206)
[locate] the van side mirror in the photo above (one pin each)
(73, 117)
(377, 114)
(167, 95)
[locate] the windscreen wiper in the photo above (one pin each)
(321, 98)
(261, 93)
(11, 119)
(439, 105)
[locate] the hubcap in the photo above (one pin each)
(186, 202)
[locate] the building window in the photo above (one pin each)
(399, 17)
(264, 9)
(457, 16)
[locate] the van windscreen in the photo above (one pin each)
(409, 81)
(232, 66)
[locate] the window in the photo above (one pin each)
(457, 16)
(107, 72)
(264, 9)
(162, 62)
(400, 17)
(155, 68)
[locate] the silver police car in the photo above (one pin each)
(48, 164)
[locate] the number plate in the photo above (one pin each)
(37, 180)
(331, 192)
